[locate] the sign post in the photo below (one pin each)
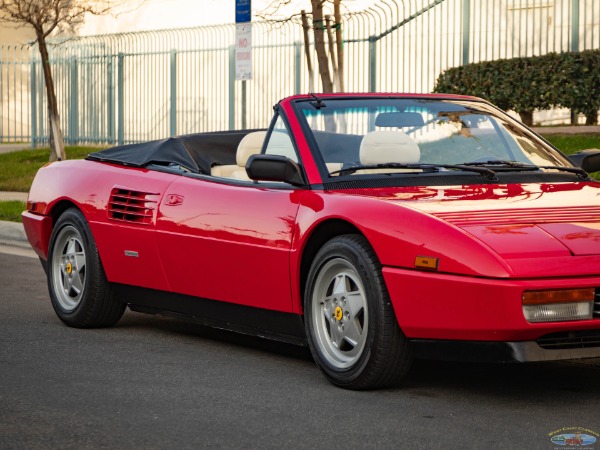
(243, 40)
(243, 48)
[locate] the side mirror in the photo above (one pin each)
(274, 168)
(588, 160)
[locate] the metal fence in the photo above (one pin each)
(134, 87)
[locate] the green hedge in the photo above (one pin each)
(568, 80)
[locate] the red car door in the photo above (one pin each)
(228, 242)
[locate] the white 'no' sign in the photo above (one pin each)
(243, 51)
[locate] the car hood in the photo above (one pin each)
(538, 229)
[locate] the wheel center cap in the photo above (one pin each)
(69, 268)
(338, 313)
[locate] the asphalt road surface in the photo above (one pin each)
(152, 382)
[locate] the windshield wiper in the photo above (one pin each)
(318, 103)
(512, 166)
(488, 173)
(576, 170)
(497, 162)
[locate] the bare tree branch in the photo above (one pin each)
(327, 36)
(47, 17)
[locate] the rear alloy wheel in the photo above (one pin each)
(350, 324)
(79, 291)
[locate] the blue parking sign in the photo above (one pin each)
(242, 11)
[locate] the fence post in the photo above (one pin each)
(173, 92)
(244, 104)
(298, 63)
(73, 135)
(466, 31)
(110, 101)
(232, 87)
(33, 93)
(120, 95)
(574, 25)
(372, 63)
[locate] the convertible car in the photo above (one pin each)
(374, 228)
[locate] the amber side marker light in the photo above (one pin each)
(558, 305)
(36, 207)
(426, 262)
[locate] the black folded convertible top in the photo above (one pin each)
(195, 152)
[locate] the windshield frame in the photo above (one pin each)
(318, 101)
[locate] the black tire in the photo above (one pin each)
(79, 291)
(350, 324)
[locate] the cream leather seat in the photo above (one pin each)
(250, 144)
(380, 147)
(281, 144)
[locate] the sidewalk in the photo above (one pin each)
(12, 234)
(7, 148)
(7, 196)
(577, 129)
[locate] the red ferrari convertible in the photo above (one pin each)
(375, 228)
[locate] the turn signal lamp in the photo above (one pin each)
(559, 305)
(36, 207)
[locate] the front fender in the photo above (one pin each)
(399, 234)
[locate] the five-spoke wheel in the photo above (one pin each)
(69, 260)
(340, 316)
(351, 327)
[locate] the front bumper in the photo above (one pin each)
(443, 307)
(38, 229)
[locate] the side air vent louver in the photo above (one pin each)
(131, 206)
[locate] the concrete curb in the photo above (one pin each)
(13, 234)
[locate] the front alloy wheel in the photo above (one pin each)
(350, 324)
(340, 317)
(69, 260)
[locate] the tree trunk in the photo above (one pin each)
(526, 117)
(591, 116)
(332, 50)
(337, 15)
(573, 117)
(319, 30)
(57, 145)
(309, 66)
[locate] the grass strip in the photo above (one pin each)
(572, 143)
(17, 169)
(11, 210)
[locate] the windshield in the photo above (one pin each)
(373, 135)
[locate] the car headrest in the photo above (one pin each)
(399, 119)
(249, 145)
(379, 147)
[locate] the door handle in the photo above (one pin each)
(173, 200)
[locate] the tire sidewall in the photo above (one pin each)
(341, 248)
(75, 219)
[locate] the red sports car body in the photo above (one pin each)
(374, 227)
